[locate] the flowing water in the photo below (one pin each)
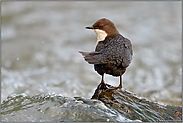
(41, 40)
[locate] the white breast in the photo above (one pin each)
(101, 35)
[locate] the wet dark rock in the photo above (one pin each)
(107, 104)
(134, 107)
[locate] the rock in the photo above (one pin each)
(136, 108)
(108, 104)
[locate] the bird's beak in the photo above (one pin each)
(89, 27)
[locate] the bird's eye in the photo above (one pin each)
(101, 25)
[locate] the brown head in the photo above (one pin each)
(103, 28)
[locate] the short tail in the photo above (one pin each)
(89, 57)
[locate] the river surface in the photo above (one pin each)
(41, 40)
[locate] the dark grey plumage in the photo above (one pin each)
(112, 55)
(115, 55)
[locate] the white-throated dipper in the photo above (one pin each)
(113, 52)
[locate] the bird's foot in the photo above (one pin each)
(120, 86)
(102, 85)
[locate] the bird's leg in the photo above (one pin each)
(102, 81)
(120, 84)
(102, 84)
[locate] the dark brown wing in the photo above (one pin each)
(127, 58)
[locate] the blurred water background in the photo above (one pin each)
(41, 40)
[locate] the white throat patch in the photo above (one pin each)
(100, 35)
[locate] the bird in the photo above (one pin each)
(113, 52)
